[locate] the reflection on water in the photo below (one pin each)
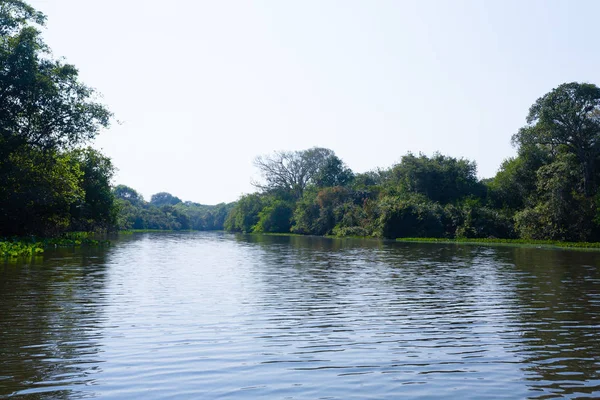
(50, 316)
(213, 315)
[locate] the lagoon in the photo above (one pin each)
(222, 316)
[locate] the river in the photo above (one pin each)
(221, 316)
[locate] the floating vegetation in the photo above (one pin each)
(27, 247)
(19, 249)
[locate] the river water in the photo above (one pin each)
(221, 316)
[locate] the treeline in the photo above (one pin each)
(548, 191)
(166, 212)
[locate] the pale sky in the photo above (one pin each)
(203, 87)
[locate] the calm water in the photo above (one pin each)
(212, 315)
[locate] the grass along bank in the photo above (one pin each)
(30, 246)
(480, 241)
(544, 243)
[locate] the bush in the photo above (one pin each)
(412, 217)
(275, 218)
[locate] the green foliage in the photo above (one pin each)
(172, 214)
(205, 218)
(491, 241)
(16, 14)
(164, 199)
(332, 173)
(367, 180)
(289, 173)
(43, 103)
(567, 118)
(37, 192)
(126, 193)
(411, 216)
(515, 182)
(562, 211)
(328, 211)
(45, 112)
(97, 210)
(245, 214)
(306, 214)
(180, 221)
(15, 249)
(483, 222)
(440, 178)
(21, 247)
(274, 218)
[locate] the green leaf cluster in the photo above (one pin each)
(49, 183)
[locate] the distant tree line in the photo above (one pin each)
(548, 191)
(166, 212)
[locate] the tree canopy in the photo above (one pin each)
(291, 172)
(440, 178)
(48, 184)
(567, 119)
(42, 102)
(164, 198)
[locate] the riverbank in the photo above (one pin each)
(130, 231)
(544, 243)
(480, 241)
(31, 246)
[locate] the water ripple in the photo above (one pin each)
(212, 315)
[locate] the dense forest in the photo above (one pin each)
(548, 191)
(52, 182)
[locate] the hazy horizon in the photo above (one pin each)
(202, 88)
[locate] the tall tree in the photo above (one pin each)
(37, 192)
(42, 101)
(516, 180)
(246, 213)
(164, 199)
(441, 178)
(97, 209)
(45, 111)
(127, 193)
(14, 14)
(567, 118)
(333, 172)
(292, 171)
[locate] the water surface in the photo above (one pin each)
(220, 316)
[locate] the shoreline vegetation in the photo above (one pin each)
(461, 241)
(11, 248)
(466, 241)
(19, 248)
(52, 184)
(508, 242)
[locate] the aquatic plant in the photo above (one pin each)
(26, 247)
(19, 249)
